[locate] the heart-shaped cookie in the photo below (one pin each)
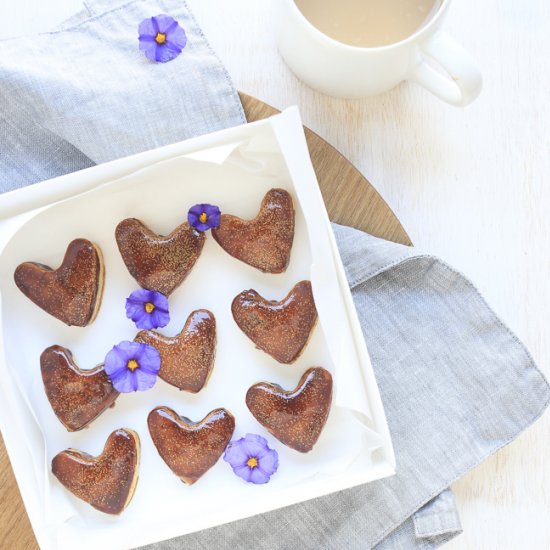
(188, 358)
(107, 482)
(189, 448)
(72, 292)
(157, 262)
(265, 241)
(281, 329)
(297, 417)
(77, 396)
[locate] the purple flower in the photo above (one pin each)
(251, 458)
(204, 216)
(147, 308)
(132, 366)
(161, 38)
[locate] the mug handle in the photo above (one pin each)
(464, 82)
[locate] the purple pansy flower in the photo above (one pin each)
(147, 308)
(161, 38)
(204, 216)
(132, 366)
(252, 459)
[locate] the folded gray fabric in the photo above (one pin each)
(457, 385)
(76, 97)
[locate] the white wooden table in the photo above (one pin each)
(471, 185)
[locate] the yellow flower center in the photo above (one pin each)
(252, 462)
(203, 218)
(149, 307)
(160, 38)
(132, 365)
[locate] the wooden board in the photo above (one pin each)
(349, 197)
(350, 200)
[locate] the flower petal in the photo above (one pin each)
(214, 219)
(115, 359)
(144, 380)
(243, 472)
(199, 226)
(197, 209)
(166, 52)
(171, 28)
(159, 318)
(141, 295)
(254, 445)
(149, 49)
(133, 309)
(148, 27)
(164, 22)
(124, 383)
(118, 374)
(235, 455)
(258, 477)
(129, 349)
(137, 313)
(177, 37)
(269, 463)
(256, 439)
(148, 359)
(159, 300)
(211, 209)
(146, 321)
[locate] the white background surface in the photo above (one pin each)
(470, 185)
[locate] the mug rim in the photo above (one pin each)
(357, 49)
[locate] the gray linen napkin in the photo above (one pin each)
(84, 95)
(457, 385)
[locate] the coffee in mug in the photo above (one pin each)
(358, 48)
(368, 23)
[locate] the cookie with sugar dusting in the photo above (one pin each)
(190, 448)
(187, 359)
(158, 262)
(106, 482)
(295, 417)
(72, 292)
(77, 396)
(280, 328)
(264, 242)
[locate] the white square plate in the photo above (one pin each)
(233, 169)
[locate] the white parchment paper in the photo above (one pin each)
(234, 170)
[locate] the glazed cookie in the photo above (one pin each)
(106, 482)
(297, 417)
(264, 242)
(187, 359)
(190, 448)
(281, 329)
(73, 291)
(77, 396)
(157, 262)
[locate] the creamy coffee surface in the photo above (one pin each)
(368, 23)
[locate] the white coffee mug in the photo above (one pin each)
(341, 70)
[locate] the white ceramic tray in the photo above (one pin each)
(233, 169)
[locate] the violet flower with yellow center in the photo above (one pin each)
(204, 216)
(252, 459)
(148, 309)
(132, 366)
(161, 38)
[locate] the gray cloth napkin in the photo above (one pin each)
(73, 98)
(457, 385)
